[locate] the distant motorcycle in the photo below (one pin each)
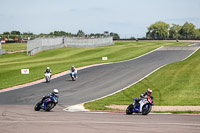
(47, 77)
(73, 75)
(144, 106)
(48, 104)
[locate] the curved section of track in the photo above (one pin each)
(17, 114)
(98, 81)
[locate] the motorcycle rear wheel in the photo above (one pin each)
(129, 109)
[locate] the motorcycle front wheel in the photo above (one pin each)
(145, 110)
(47, 80)
(49, 106)
(37, 106)
(73, 78)
(129, 109)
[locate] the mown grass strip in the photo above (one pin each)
(14, 46)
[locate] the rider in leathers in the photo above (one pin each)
(48, 70)
(55, 92)
(143, 95)
(73, 69)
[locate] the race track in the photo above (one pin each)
(98, 81)
(18, 115)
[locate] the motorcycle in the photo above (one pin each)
(73, 75)
(144, 106)
(48, 104)
(47, 77)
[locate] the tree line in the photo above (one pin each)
(80, 33)
(157, 31)
(162, 30)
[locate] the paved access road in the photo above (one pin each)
(98, 81)
(23, 119)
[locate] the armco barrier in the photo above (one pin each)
(40, 44)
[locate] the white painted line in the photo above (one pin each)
(192, 53)
(106, 122)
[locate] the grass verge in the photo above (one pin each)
(14, 46)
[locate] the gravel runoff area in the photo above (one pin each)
(161, 108)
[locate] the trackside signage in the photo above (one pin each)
(104, 58)
(24, 71)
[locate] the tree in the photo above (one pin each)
(80, 33)
(6, 33)
(174, 31)
(187, 31)
(15, 32)
(115, 36)
(197, 33)
(59, 33)
(159, 30)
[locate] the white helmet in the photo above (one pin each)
(55, 91)
(47, 67)
(149, 91)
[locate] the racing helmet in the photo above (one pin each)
(149, 91)
(55, 91)
(48, 68)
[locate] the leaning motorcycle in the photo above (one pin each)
(144, 106)
(47, 77)
(48, 104)
(73, 75)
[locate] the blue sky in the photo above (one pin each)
(125, 17)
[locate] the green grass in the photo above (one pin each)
(174, 84)
(14, 46)
(60, 60)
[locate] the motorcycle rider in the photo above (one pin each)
(54, 93)
(73, 69)
(48, 71)
(143, 95)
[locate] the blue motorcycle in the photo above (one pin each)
(48, 104)
(73, 75)
(144, 106)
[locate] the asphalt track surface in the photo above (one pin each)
(23, 119)
(16, 106)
